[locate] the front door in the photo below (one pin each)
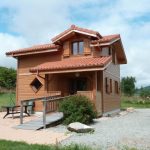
(78, 84)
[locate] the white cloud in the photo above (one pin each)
(38, 21)
(9, 42)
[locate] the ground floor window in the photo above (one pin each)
(78, 84)
(36, 85)
(107, 85)
(110, 85)
(116, 87)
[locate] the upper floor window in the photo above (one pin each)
(77, 47)
(106, 51)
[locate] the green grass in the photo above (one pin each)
(135, 102)
(13, 145)
(10, 145)
(7, 99)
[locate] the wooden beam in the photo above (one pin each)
(21, 113)
(94, 87)
(44, 113)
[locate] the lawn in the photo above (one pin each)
(10, 145)
(7, 99)
(135, 102)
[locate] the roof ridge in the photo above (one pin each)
(74, 27)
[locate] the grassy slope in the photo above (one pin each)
(135, 102)
(7, 99)
(10, 145)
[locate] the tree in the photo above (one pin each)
(145, 93)
(7, 77)
(128, 85)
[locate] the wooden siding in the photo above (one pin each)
(111, 101)
(87, 49)
(26, 62)
(25, 91)
(24, 78)
(66, 49)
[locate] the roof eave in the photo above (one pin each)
(73, 69)
(16, 54)
(68, 70)
(105, 43)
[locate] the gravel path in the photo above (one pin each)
(131, 129)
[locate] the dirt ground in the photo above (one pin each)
(7, 132)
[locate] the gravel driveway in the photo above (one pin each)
(131, 129)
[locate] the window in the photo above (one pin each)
(107, 85)
(105, 51)
(114, 60)
(78, 84)
(77, 48)
(116, 87)
(110, 85)
(110, 51)
(36, 85)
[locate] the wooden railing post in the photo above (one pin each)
(21, 113)
(44, 113)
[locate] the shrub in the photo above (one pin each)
(77, 109)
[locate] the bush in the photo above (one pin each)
(77, 109)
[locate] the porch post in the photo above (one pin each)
(44, 113)
(21, 113)
(94, 87)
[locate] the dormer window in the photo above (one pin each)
(77, 47)
(105, 51)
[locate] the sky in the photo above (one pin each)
(24, 23)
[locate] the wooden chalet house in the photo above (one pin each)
(78, 61)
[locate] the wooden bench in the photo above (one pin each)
(14, 110)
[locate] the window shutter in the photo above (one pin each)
(87, 49)
(107, 85)
(66, 48)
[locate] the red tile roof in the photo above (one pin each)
(73, 63)
(107, 38)
(72, 28)
(42, 48)
(36, 48)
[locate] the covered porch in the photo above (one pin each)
(61, 85)
(88, 83)
(81, 76)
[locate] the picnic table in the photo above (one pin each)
(14, 110)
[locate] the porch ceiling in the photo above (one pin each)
(73, 65)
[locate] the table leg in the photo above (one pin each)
(26, 111)
(6, 113)
(12, 113)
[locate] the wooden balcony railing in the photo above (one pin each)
(50, 104)
(53, 93)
